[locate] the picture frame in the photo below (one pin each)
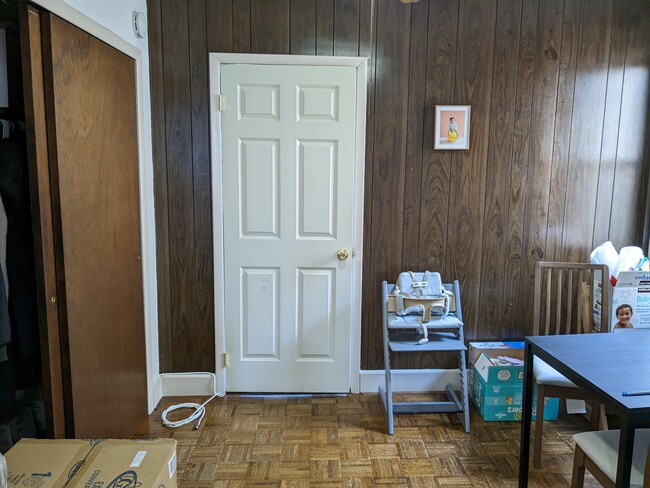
(452, 127)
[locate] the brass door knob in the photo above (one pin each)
(342, 254)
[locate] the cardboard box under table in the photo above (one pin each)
(92, 463)
(497, 390)
(493, 349)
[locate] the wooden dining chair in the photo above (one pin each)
(564, 293)
(598, 453)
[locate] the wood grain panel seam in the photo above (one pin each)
(202, 215)
(158, 118)
(557, 102)
(456, 64)
(525, 204)
(504, 290)
(178, 125)
(368, 181)
(618, 126)
(406, 149)
(573, 221)
(422, 135)
(451, 156)
(192, 197)
(498, 291)
(603, 133)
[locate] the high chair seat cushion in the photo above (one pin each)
(548, 376)
(413, 321)
(601, 447)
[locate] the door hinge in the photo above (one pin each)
(221, 101)
(225, 360)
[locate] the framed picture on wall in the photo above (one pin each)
(451, 127)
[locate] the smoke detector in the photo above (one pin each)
(139, 25)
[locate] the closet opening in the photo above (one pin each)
(22, 410)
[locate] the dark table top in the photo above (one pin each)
(609, 363)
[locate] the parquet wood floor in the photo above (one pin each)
(324, 441)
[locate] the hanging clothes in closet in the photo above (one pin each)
(7, 396)
(19, 337)
(5, 325)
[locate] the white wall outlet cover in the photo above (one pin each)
(139, 25)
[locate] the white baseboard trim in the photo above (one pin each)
(410, 380)
(187, 384)
(157, 392)
(403, 380)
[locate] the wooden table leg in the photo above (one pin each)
(527, 417)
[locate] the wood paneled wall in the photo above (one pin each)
(558, 158)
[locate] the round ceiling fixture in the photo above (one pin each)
(139, 25)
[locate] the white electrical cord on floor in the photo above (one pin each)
(199, 410)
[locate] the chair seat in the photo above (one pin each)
(414, 321)
(546, 375)
(602, 448)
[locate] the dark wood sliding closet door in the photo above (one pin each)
(84, 167)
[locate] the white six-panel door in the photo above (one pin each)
(288, 150)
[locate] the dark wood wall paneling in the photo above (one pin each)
(511, 304)
(630, 184)
(545, 83)
(384, 236)
(558, 161)
(413, 155)
(435, 172)
(499, 164)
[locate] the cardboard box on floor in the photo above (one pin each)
(92, 464)
(493, 349)
(493, 372)
(45, 463)
(497, 390)
(502, 401)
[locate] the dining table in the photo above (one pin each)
(604, 365)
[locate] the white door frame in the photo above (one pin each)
(216, 60)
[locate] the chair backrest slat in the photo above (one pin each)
(569, 300)
(559, 279)
(560, 302)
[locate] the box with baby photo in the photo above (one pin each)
(631, 301)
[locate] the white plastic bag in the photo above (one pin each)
(605, 254)
(627, 260)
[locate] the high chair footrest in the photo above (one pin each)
(426, 407)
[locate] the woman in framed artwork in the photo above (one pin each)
(452, 131)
